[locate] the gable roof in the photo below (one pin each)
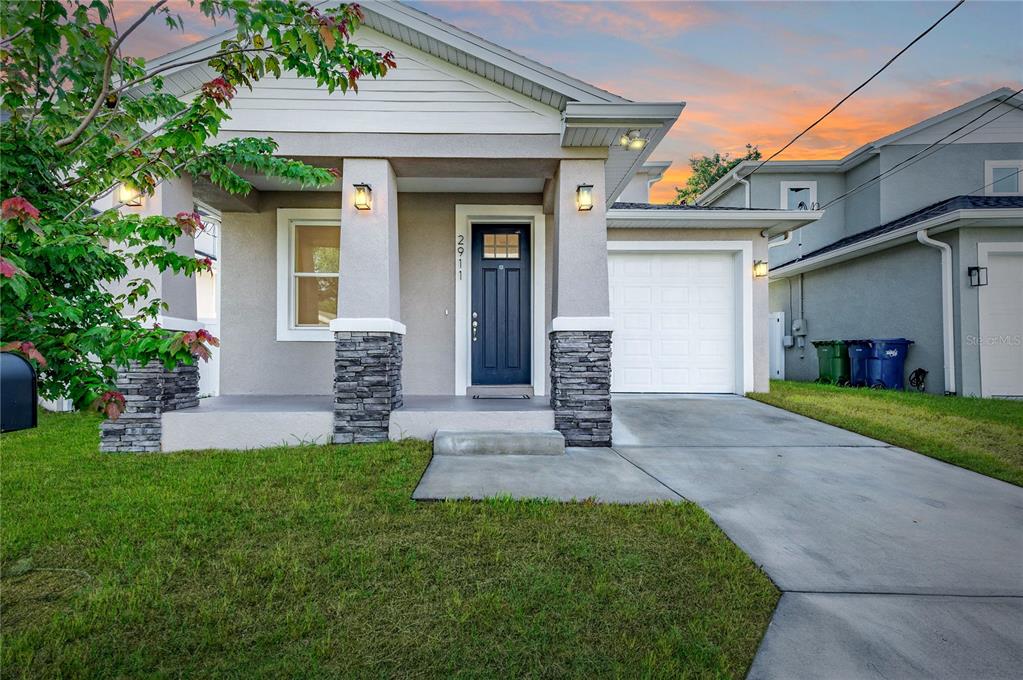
(857, 156)
(950, 207)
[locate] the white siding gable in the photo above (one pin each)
(1006, 128)
(423, 95)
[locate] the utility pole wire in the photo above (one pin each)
(860, 87)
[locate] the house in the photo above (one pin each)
(487, 260)
(922, 238)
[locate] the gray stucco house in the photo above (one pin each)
(489, 237)
(922, 238)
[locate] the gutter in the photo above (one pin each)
(948, 331)
(780, 242)
(745, 182)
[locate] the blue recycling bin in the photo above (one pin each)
(859, 353)
(886, 364)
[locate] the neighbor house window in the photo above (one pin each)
(314, 274)
(1003, 178)
(799, 195)
(308, 272)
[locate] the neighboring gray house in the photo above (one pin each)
(924, 210)
(473, 246)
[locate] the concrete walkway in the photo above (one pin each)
(891, 564)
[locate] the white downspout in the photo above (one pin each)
(735, 176)
(947, 320)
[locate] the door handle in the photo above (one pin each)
(475, 326)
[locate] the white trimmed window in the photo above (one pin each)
(798, 195)
(308, 273)
(1003, 178)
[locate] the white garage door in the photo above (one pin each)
(674, 322)
(1001, 324)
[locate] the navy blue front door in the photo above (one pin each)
(501, 296)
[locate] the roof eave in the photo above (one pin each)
(771, 222)
(988, 217)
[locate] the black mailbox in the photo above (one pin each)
(17, 393)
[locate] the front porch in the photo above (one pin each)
(257, 421)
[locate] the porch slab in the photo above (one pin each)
(422, 415)
(250, 422)
(598, 474)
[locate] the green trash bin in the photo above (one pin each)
(833, 360)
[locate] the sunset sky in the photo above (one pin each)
(755, 72)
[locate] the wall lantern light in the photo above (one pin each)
(632, 141)
(363, 196)
(978, 276)
(760, 268)
(584, 196)
(129, 195)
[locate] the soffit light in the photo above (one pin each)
(363, 196)
(129, 195)
(584, 197)
(632, 141)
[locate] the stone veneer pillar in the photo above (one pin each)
(149, 390)
(581, 386)
(367, 384)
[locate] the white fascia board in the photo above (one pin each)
(1001, 93)
(454, 37)
(774, 222)
(622, 114)
(995, 217)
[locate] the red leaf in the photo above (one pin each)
(26, 348)
(19, 209)
(7, 270)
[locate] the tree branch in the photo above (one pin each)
(107, 67)
(189, 62)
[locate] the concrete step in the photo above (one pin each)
(499, 391)
(498, 442)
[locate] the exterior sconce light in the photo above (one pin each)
(760, 268)
(632, 141)
(584, 197)
(363, 196)
(978, 276)
(129, 195)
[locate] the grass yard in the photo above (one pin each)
(314, 562)
(984, 435)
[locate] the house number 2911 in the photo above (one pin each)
(460, 249)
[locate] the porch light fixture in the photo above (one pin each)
(978, 276)
(584, 197)
(760, 269)
(632, 141)
(129, 195)
(363, 196)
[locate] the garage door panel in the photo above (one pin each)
(674, 322)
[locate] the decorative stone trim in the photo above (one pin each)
(581, 386)
(367, 384)
(149, 390)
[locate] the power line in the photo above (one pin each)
(860, 87)
(905, 163)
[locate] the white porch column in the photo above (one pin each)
(368, 333)
(370, 291)
(580, 335)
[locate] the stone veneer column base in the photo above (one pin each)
(149, 390)
(581, 386)
(367, 385)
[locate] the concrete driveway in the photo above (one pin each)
(891, 564)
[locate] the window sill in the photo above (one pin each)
(305, 335)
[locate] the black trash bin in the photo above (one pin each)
(17, 393)
(886, 366)
(859, 353)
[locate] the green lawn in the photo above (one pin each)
(313, 562)
(984, 435)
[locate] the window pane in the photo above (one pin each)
(513, 246)
(797, 196)
(500, 246)
(317, 249)
(316, 300)
(1006, 180)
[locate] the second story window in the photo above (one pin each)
(798, 195)
(1003, 178)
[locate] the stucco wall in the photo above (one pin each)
(957, 169)
(889, 294)
(426, 225)
(862, 210)
(761, 368)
